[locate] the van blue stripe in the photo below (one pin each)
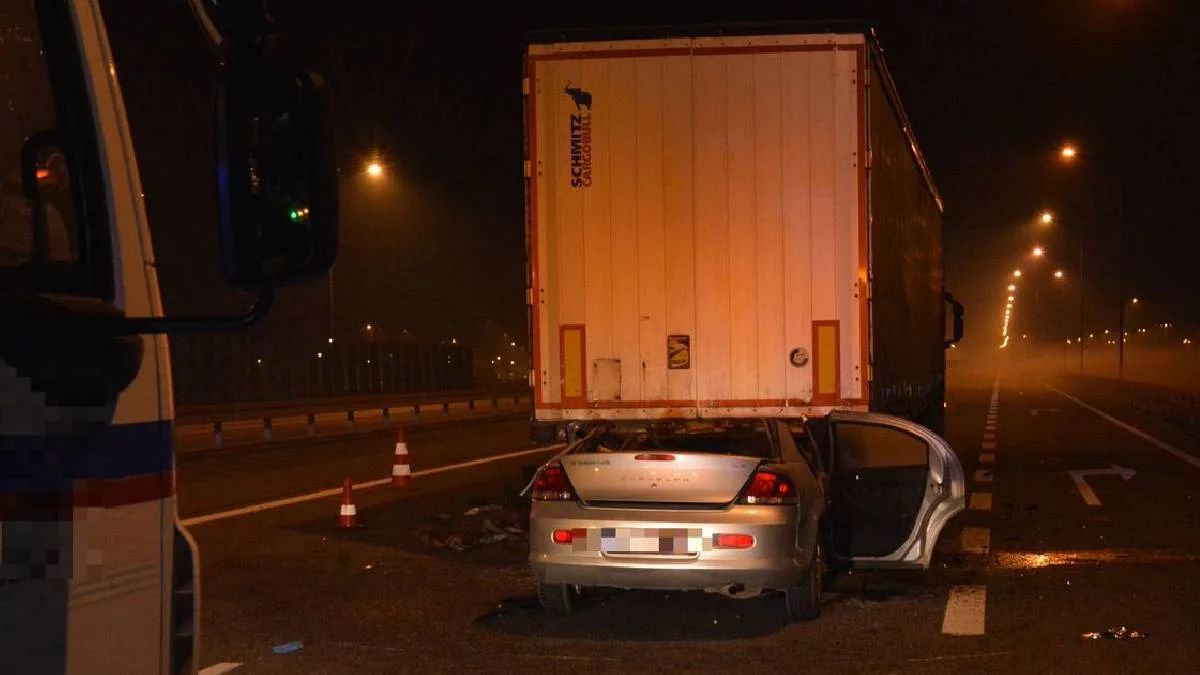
(53, 463)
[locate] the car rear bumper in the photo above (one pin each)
(777, 559)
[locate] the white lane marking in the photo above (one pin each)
(976, 540)
(219, 669)
(1085, 490)
(965, 610)
(987, 457)
(989, 435)
(983, 475)
(989, 445)
(981, 501)
(254, 508)
(1190, 459)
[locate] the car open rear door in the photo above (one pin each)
(894, 486)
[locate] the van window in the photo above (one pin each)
(40, 245)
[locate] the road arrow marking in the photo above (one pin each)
(1085, 490)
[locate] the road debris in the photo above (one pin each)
(1121, 633)
(500, 525)
(288, 647)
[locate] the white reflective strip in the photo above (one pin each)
(348, 510)
(401, 470)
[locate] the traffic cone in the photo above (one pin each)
(401, 471)
(349, 515)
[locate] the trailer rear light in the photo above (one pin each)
(767, 487)
(734, 541)
(569, 536)
(552, 485)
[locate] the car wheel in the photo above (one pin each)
(804, 601)
(559, 598)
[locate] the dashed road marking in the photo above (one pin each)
(989, 445)
(977, 540)
(981, 501)
(989, 436)
(965, 611)
(1189, 458)
(983, 475)
(987, 458)
(219, 669)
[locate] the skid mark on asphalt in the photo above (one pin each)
(1189, 458)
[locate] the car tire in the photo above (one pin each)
(559, 598)
(804, 601)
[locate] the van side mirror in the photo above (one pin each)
(276, 178)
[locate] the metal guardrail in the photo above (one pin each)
(265, 416)
(1173, 405)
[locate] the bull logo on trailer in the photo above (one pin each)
(581, 136)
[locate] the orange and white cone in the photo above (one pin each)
(401, 470)
(349, 515)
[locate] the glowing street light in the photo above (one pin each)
(1012, 287)
(1068, 152)
(374, 169)
(1047, 217)
(1011, 298)
(1058, 274)
(1017, 273)
(1134, 301)
(1038, 251)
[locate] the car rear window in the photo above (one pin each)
(743, 440)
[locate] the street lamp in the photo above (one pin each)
(1069, 154)
(1017, 273)
(374, 169)
(1047, 217)
(1012, 287)
(1058, 274)
(1038, 251)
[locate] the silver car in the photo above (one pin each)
(738, 507)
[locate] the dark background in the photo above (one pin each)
(992, 89)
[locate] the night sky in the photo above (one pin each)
(992, 89)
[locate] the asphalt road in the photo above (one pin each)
(1025, 572)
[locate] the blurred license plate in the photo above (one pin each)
(651, 540)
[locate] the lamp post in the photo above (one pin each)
(1069, 154)
(374, 169)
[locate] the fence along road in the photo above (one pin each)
(209, 427)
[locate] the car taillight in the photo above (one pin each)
(767, 487)
(552, 485)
